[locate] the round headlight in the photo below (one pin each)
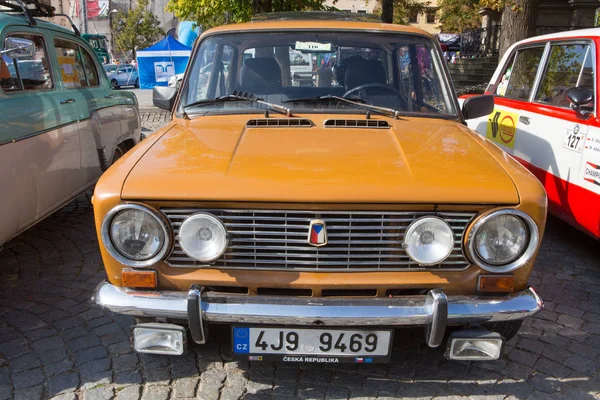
(135, 235)
(429, 240)
(503, 240)
(203, 237)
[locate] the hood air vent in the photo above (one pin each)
(356, 123)
(278, 122)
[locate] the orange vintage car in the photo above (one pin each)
(317, 214)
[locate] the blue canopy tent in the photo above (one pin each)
(158, 63)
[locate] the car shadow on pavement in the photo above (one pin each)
(54, 343)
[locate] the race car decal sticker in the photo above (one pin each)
(592, 173)
(575, 138)
(502, 127)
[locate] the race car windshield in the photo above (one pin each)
(402, 72)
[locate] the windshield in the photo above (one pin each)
(400, 71)
(110, 68)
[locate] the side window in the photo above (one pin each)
(569, 65)
(71, 65)
(30, 73)
(90, 68)
(518, 78)
(417, 65)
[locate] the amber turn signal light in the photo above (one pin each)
(496, 284)
(139, 279)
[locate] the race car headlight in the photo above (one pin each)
(203, 237)
(428, 241)
(503, 240)
(135, 235)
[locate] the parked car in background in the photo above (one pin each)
(546, 116)
(122, 75)
(317, 219)
(62, 125)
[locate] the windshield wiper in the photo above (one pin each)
(389, 112)
(241, 96)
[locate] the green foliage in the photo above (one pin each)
(209, 13)
(403, 9)
(458, 15)
(136, 29)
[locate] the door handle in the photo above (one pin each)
(67, 101)
(523, 119)
(109, 96)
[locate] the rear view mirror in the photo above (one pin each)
(164, 97)
(478, 106)
(18, 48)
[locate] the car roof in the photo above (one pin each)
(589, 32)
(17, 19)
(308, 24)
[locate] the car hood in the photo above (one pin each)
(418, 160)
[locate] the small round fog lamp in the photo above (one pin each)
(429, 241)
(203, 237)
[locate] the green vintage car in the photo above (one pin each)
(61, 124)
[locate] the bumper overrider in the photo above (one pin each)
(435, 310)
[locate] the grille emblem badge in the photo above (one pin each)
(317, 233)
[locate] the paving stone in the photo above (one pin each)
(551, 368)
(65, 396)
(6, 392)
(27, 379)
(84, 342)
(32, 393)
(62, 383)
(581, 364)
(156, 392)
(90, 354)
(50, 343)
(58, 367)
(4, 376)
(544, 383)
(25, 362)
(124, 362)
(104, 392)
(127, 378)
(53, 356)
(186, 387)
(132, 392)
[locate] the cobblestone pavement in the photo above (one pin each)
(54, 344)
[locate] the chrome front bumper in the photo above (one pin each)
(434, 310)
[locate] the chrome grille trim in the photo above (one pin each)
(276, 240)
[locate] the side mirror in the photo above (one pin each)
(478, 106)
(18, 48)
(164, 97)
(579, 97)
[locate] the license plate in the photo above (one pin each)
(311, 345)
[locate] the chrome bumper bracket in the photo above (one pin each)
(436, 328)
(194, 306)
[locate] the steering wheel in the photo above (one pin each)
(372, 85)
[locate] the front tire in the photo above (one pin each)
(137, 83)
(114, 84)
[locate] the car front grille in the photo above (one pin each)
(357, 240)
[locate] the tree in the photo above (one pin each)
(518, 22)
(208, 13)
(400, 10)
(458, 15)
(136, 28)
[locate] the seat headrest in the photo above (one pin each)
(260, 75)
(361, 72)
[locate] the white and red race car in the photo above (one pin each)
(547, 116)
